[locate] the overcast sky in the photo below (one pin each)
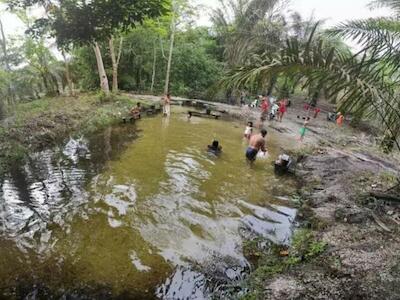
(333, 12)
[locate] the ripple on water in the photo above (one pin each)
(161, 211)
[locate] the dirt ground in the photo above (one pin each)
(339, 169)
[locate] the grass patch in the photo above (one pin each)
(305, 247)
(45, 122)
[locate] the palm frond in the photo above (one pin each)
(379, 37)
(392, 4)
(361, 86)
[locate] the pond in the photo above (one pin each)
(139, 211)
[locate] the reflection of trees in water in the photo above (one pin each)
(51, 186)
(39, 199)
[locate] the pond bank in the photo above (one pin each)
(349, 245)
(46, 122)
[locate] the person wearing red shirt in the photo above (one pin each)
(264, 107)
(282, 109)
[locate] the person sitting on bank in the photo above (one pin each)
(214, 148)
(282, 164)
(256, 144)
(135, 111)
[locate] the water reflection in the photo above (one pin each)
(129, 208)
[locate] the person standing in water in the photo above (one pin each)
(167, 105)
(256, 144)
(249, 130)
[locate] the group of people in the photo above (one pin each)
(135, 112)
(271, 108)
(257, 143)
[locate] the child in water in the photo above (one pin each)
(249, 130)
(214, 148)
(303, 129)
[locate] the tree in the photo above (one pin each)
(115, 61)
(195, 67)
(42, 60)
(181, 11)
(364, 84)
(246, 28)
(76, 22)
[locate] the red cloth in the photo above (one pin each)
(264, 106)
(282, 107)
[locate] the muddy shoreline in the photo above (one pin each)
(353, 236)
(44, 123)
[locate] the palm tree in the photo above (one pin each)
(364, 84)
(247, 26)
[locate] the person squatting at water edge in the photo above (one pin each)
(256, 144)
(135, 111)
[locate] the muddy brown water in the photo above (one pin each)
(139, 211)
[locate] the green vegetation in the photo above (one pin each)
(364, 84)
(252, 46)
(305, 246)
(42, 123)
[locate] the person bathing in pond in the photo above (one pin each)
(256, 144)
(249, 130)
(214, 148)
(167, 105)
(135, 111)
(304, 129)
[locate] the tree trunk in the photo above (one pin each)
(68, 76)
(114, 66)
(100, 67)
(115, 62)
(7, 64)
(59, 84)
(153, 76)
(46, 84)
(4, 47)
(171, 49)
(271, 85)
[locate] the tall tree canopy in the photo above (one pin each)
(76, 22)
